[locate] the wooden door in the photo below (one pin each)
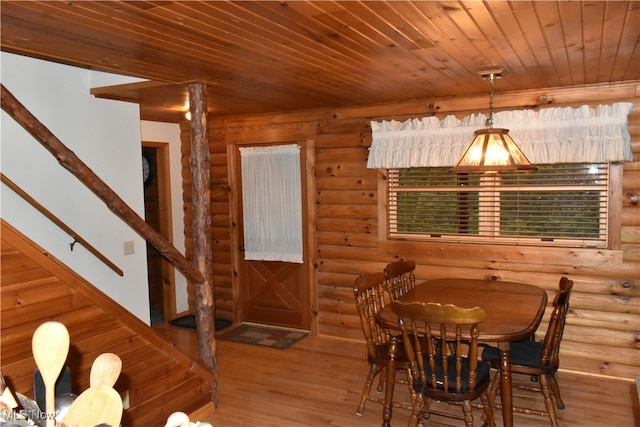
(152, 217)
(273, 292)
(157, 202)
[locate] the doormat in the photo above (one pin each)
(263, 335)
(189, 321)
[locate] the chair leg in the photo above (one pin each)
(495, 387)
(548, 401)
(556, 391)
(416, 416)
(381, 379)
(373, 371)
(412, 392)
(488, 410)
(468, 415)
(390, 383)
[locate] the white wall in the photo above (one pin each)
(170, 133)
(105, 135)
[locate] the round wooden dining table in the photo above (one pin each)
(513, 312)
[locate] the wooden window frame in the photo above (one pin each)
(613, 221)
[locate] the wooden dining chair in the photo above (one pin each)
(539, 359)
(399, 277)
(445, 369)
(371, 297)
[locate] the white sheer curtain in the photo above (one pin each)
(549, 135)
(272, 203)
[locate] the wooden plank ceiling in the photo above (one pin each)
(270, 56)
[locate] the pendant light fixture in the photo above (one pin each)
(492, 150)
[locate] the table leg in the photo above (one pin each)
(505, 383)
(390, 383)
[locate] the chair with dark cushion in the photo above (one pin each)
(399, 277)
(371, 297)
(539, 359)
(447, 368)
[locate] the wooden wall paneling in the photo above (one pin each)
(234, 238)
(344, 154)
(350, 239)
(311, 239)
(363, 139)
(631, 253)
(334, 319)
(630, 234)
(631, 179)
(330, 283)
(366, 240)
(362, 196)
(462, 106)
(600, 361)
(336, 183)
(630, 216)
(338, 167)
(346, 211)
(554, 256)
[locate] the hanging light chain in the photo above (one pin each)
(491, 78)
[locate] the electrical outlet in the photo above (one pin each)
(128, 247)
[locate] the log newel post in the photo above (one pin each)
(201, 200)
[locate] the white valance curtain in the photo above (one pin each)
(272, 203)
(549, 135)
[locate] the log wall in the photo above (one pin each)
(602, 334)
(36, 288)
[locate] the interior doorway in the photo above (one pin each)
(157, 204)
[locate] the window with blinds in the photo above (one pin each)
(560, 205)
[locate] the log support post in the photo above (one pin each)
(203, 258)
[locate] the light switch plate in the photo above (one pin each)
(128, 247)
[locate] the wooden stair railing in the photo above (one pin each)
(200, 272)
(73, 164)
(57, 221)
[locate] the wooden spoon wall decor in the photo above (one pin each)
(100, 403)
(105, 370)
(96, 405)
(50, 347)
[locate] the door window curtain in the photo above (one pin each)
(548, 135)
(272, 203)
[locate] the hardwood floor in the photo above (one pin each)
(317, 382)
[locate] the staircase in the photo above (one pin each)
(156, 379)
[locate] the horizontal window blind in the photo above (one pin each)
(559, 204)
